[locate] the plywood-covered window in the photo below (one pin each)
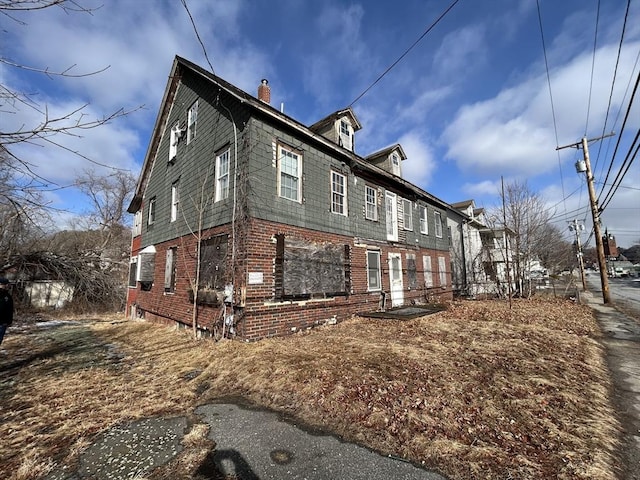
(305, 269)
(213, 262)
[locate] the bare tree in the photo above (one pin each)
(49, 129)
(527, 220)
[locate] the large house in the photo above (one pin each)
(244, 212)
(480, 255)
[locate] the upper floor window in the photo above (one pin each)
(152, 211)
(175, 201)
(222, 176)
(407, 214)
(395, 164)
(137, 223)
(338, 193)
(192, 120)
(424, 224)
(391, 209)
(438, 224)
(346, 137)
(173, 141)
(371, 203)
(289, 174)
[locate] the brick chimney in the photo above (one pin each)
(264, 91)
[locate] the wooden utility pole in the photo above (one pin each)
(595, 214)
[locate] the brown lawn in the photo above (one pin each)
(477, 391)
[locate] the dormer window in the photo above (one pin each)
(346, 134)
(395, 164)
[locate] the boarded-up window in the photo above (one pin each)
(307, 269)
(411, 271)
(428, 272)
(170, 270)
(213, 261)
(442, 273)
(147, 267)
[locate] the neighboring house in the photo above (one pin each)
(291, 227)
(479, 254)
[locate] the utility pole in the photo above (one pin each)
(579, 227)
(595, 214)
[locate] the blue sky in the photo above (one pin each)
(469, 103)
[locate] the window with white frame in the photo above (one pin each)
(192, 121)
(391, 212)
(338, 193)
(428, 271)
(424, 224)
(133, 271)
(137, 223)
(175, 200)
(151, 218)
(442, 272)
(438, 223)
(289, 174)
(371, 203)
(407, 214)
(173, 141)
(374, 279)
(395, 164)
(222, 176)
(346, 137)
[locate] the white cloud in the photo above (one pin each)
(420, 164)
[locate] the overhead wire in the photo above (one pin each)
(593, 64)
(553, 111)
(620, 135)
(613, 81)
(195, 29)
(442, 15)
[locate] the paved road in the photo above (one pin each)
(625, 292)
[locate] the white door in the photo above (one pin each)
(395, 279)
(391, 207)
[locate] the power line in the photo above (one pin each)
(593, 63)
(615, 151)
(195, 29)
(613, 82)
(442, 15)
(553, 110)
(621, 174)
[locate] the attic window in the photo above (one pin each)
(346, 135)
(395, 164)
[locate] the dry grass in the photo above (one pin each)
(477, 391)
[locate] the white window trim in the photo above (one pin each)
(151, 214)
(346, 140)
(438, 223)
(379, 286)
(342, 195)
(219, 177)
(391, 199)
(424, 220)
(407, 214)
(192, 122)
(395, 163)
(374, 217)
(175, 200)
(173, 141)
(282, 148)
(137, 223)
